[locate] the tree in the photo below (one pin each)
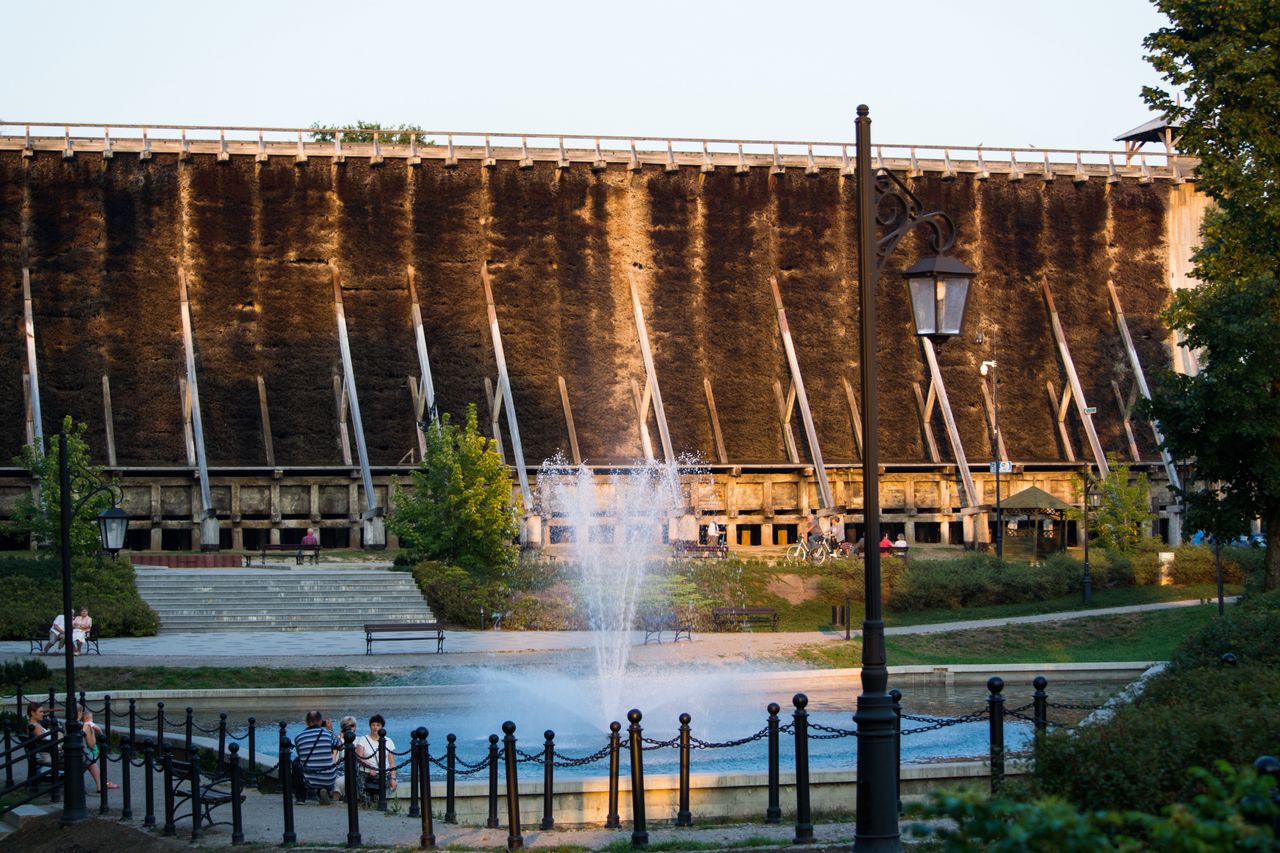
(400, 134)
(1225, 58)
(1124, 506)
(39, 516)
(460, 510)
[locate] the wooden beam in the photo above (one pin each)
(568, 421)
(417, 401)
(948, 417)
(642, 332)
(26, 410)
(784, 419)
(1141, 379)
(185, 396)
(806, 416)
(854, 416)
(340, 400)
(504, 384)
(33, 380)
(108, 421)
(1073, 379)
(642, 410)
(1126, 417)
(494, 400)
(925, 410)
(997, 436)
(1059, 408)
(427, 390)
(353, 397)
(715, 422)
(265, 414)
(193, 394)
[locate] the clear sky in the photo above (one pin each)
(995, 72)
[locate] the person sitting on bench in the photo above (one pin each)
(57, 634)
(309, 543)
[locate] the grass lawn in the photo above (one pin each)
(1126, 637)
(115, 678)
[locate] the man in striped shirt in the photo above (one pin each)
(317, 754)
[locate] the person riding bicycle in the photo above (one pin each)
(813, 533)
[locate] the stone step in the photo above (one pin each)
(20, 815)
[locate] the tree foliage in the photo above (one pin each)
(400, 134)
(40, 516)
(1124, 506)
(460, 511)
(1225, 58)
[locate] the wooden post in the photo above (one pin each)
(957, 448)
(1082, 407)
(1059, 406)
(266, 422)
(353, 399)
(417, 402)
(26, 409)
(504, 383)
(854, 415)
(1141, 379)
(1126, 412)
(568, 420)
(340, 400)
(925, 408)
(427, 391)
(209, 536)
(108, 421)
(784, 418)
(641, 400)
(806, 416)
(33, 380)
(494, 399)
(651, 383)
(715, 422)
(989, 404)
(185, 394)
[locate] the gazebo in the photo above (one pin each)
(1045, 534)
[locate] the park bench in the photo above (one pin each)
(213, 792)
(301, 551)
(655, 623)
(38, 639)
(414, 630)
(688, 548)
(744, 617)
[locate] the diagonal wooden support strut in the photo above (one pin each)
(353, 398)
(1073, 379)
(651, 373)
(811, 434)
(504, 389)
(957, 448)
(924, 407)
(1141, 379)
(36, 431)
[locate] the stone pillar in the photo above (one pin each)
(531, 531)
(910, 532)
(944, 532)
(237, 538)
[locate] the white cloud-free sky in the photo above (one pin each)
(994, 72)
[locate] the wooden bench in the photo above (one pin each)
(416, 630)
(744, 617)
(301, 551)
(38, 639)
(687, 548)
(213, 792)
(655, 623)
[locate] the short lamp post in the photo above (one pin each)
(112, 524)
(992, 367)
(1091, 501)
(938, 287)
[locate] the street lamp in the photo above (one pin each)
(985, 368)
(112, 524)
(1091, 500)
(938, 287)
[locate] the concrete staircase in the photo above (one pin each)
(190, 600)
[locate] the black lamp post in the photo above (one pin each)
(938, 287)
(1091, 499)
(112, 524)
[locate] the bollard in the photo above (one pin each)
(382, 769)
(194, 802)
(32, 766)
(286, 786)
(492, 822)
(126, 786)
(159, 722)
(995, 718)
(8, 751)
(353, 789)
(804, 822)
(416, 754)
(773, 814)
(1040, 704)
(684, 817)
(237, 789)
(53, 701)
(253, 752)
(20, 711)
(639, 827)
(427, 839)
(106, 717)
(548, 779)
(133, 724)
(56, 763)
(187, 732)
(104, 766)
(613, 820)
(450, 779)
(1229, 659)
(896, 695)
(515, 838)
(82, 705)
(149, 779)
(222, 743)
(166, 762)
(1268, 765)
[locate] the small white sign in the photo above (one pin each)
(1002, 467)
(1091, 410)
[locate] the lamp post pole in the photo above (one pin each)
(1086, 585)
(877, 807)
(73, 804)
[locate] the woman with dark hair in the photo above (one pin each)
(367, 753)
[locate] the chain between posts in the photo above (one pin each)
(935, 723)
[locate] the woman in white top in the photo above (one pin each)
(80, 627)
(367, 752)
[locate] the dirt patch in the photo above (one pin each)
(45, 835)
(794, 589)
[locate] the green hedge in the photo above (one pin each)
(1196, 712)
(31, 595)
(976, 580)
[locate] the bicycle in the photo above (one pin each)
(801, 552)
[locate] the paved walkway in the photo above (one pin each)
(347, 648)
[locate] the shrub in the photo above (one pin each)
(13, 672)
(1195, 564)
(456, 596)
(1248, 631)
(33, 596)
